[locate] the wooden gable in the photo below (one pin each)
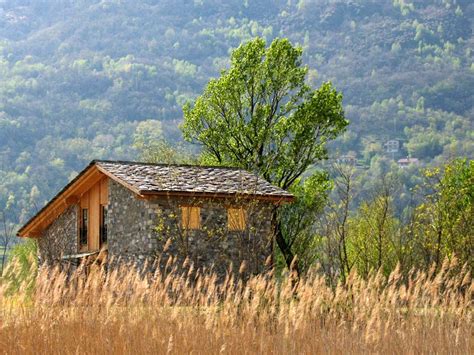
(73, 193)
(92, 200)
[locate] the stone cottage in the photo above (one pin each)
(137, 211)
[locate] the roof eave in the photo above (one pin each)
(248, 196)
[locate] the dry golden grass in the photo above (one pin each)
(125, 312)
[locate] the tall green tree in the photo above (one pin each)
(261, 115)
(445, 218)
(297, 220)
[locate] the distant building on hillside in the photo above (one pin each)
(406, 162)
(348, 159)
(392, 146)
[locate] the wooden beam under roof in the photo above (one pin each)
(147, 195)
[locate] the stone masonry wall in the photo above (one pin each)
(130, 225)
(60, 238)
(143, 229)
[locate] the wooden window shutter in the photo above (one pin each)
(236, 219)
(191, 217)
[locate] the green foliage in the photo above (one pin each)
(372, 237)
(444, 220)
(362, 228)
(147, 136)
(260, 115)
(297, 219)
(21, 270)
(163, 152)
(152, 147)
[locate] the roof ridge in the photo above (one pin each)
(129, 162)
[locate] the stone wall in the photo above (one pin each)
(61, 237)
(213, 244)
(130, 225)
(148, 229)
(140, 230)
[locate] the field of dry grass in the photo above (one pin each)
(125, 312)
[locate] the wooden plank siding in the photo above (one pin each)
(104, 191)
(92, 200)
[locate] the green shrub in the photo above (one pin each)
(21, 270)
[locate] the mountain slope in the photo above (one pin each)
(77, 78)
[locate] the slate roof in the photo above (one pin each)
(160, 178)
(147, 178)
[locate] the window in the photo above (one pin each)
(103, 225)
(190, 217)
(236, 219)
(83, 232)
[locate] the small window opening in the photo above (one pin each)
(103, 225)
(83, 230)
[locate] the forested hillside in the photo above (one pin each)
(85, 79)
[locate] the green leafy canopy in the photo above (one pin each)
(261, 115)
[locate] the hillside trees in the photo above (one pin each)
(297, 219)
(373, 232)
(360, 229)
(7, 232)
(332, 226)
(75, 88)
(444, 220)
(260, 115)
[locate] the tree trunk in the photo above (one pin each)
(3, 260)
(290, 260)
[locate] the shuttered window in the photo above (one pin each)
(236, 219)
(191, 217)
